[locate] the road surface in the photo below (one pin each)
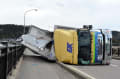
(111, 71)
(35, 67)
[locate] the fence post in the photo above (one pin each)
(15, 55)
(112, 52)
(6, 61)
(118, 51)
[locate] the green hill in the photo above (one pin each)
(11, 31)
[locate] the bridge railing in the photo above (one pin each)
(116, 50)
(10, 53)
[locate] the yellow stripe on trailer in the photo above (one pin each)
(92, 47)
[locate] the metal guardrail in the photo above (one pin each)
(116, 51)
(115, 44)
(9, 56)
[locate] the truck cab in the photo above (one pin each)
(107, 47)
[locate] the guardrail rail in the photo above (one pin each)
(10, 53)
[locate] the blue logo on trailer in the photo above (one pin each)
(69, 47)
(97, 46)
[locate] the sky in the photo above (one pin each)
(103, 14)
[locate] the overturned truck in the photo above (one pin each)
(71, 45)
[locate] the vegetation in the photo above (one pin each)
(11, 31)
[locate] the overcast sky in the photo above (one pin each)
(75, 13)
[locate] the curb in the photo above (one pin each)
(77, 72)
(15, 71)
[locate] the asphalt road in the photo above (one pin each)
(111, 71)
(35, 67)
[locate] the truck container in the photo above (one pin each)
(66, 46)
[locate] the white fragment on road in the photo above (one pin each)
(113, 65)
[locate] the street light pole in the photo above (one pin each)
(25, 17)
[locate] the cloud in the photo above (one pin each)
(114, 2)
(75, 13)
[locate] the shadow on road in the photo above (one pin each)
(38, 58)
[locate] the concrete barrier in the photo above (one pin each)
(75, 71)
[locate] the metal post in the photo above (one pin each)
(25, 17)
(24, 25)
(118, 51)
(6, 60)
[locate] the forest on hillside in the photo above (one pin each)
(11, 31)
